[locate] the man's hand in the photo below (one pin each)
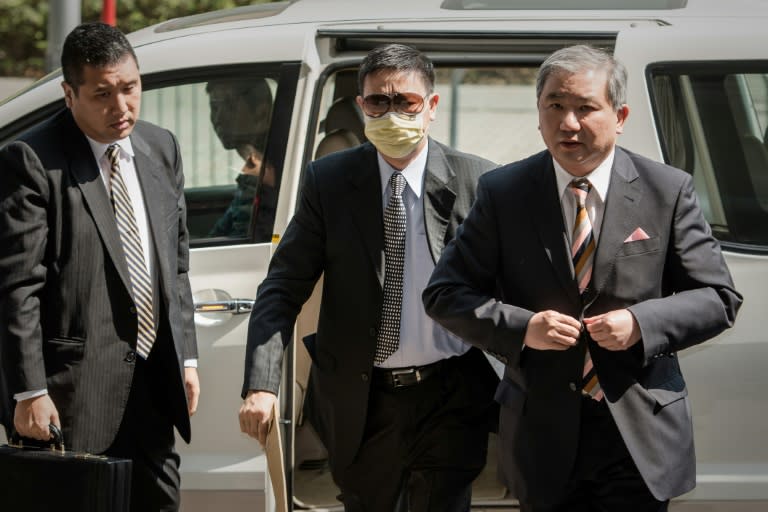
(32, 417)
(615, 330)
(256, 414)
(192, 385)
(550, 330)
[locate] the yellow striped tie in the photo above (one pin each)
(582, 254)
(141, 286)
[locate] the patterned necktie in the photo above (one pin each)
(134, 254)
(582, 254)
(394, 260)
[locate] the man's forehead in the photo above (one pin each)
(395, 75)
(562, 83)
(125, 70)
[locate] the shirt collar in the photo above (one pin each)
(413, 174)
(599, 178)
(99, 148)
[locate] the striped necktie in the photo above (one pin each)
(388, 340)
(582, 254)
(134, 255)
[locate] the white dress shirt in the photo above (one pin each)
(600, 178)
(422, 341)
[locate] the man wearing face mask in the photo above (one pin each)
(398, 401)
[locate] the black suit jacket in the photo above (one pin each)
(511, 259)
(338, 230)
(68, 318)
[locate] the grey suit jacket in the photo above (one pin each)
(338, 230)
(68, 319)
(511, 259)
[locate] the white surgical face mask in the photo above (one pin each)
(395, 135)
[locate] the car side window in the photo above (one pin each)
(231, 152)
(713, 123)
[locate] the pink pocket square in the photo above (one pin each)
(637, 235)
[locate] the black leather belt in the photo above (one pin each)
(393, 378)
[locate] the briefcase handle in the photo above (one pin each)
(55, 444)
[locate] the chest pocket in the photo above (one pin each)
(640, 247)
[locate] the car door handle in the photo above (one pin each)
(232, 306)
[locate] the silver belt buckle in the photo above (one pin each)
(405, 371)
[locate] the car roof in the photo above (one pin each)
(340, 12)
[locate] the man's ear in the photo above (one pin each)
(433, 101)
(69, 93)
(621, 118)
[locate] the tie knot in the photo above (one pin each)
(580, 188)
(397, 182)
(113, 153)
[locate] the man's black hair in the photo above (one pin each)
(397, 57)
(95, 44)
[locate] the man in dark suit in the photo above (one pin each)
(585, 269)
(97, 330)
(398, 402)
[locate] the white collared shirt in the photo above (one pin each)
(600, 178)
(422, 340)
(131, 179)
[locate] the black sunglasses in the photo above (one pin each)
(410, 103)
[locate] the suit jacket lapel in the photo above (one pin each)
(620, 218)
(439, 196)
(547, 214)
(86, 174)
(152, 188)
(364, 199)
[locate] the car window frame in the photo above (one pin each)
(276, 148)
(692, 67)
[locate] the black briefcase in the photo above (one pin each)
(48, 478)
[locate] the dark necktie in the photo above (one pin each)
(582, 254)
(388, 339)
(141, 286)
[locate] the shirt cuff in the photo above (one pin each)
(190, 363)
(29, 394)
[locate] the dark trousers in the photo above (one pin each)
(423, 445)
(605, 479)
(146, 437)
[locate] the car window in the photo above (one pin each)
(713, 122)
(232, 156)
(488, 111)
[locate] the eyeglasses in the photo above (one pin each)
(410, 103)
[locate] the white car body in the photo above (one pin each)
(303, 46)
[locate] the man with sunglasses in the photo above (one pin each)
(398, 401)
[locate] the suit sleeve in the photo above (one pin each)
(293, 271)
(700, 301)
(24, 198)
(461, 294)
(185, 290)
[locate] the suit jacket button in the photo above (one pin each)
(133, 310)
(372, 332)
(364, 376)
(572, 385)
(130, 356)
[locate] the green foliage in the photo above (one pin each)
(23, 25)
(22, 37)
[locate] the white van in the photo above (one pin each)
(698, 94)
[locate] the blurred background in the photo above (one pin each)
(32, 31)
